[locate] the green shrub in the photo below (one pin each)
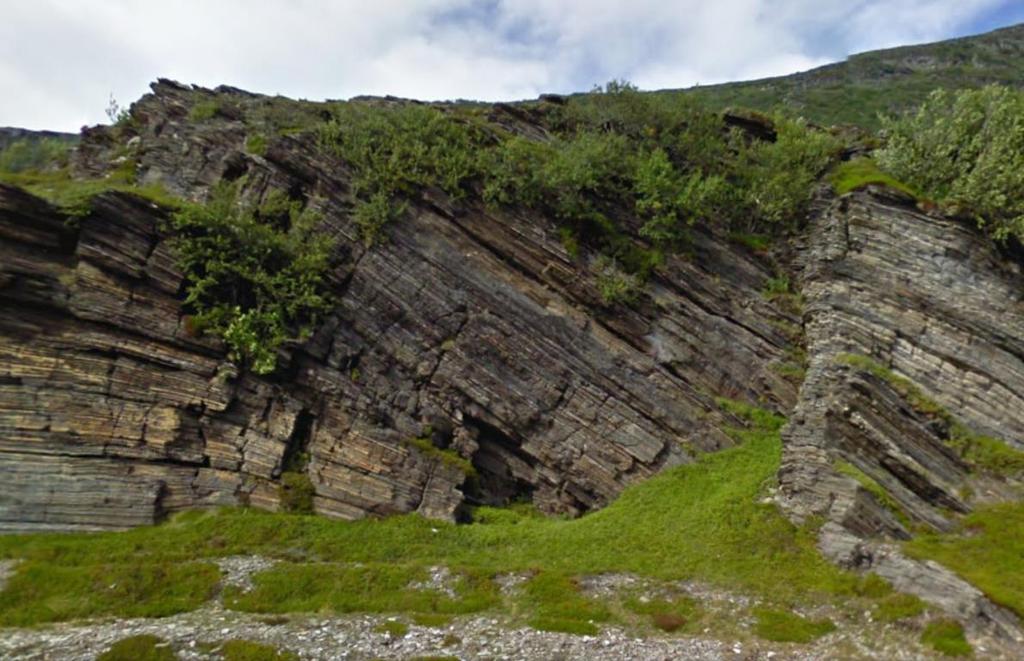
(247, 650)
(296, 492)
(253, 272)
(204, 110)
(395, 150)
(256, 144)
(966, 150)
(144, 647)
(614, 284)
(34, 154)
(778, 178)
(671, 201)
(947, 637)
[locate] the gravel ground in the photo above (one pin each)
(194, 635)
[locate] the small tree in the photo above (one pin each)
(966, 150)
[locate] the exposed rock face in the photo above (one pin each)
(474, 328)
(477, 333)
(931, 300)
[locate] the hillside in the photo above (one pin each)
(884, 81)
(607, 375)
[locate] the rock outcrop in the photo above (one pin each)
(472, 330)
(470, 358)
(914, 325)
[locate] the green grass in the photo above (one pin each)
(42, 591)
(368, 588)
(990, 455)
(785, 627)
(557, 605)
(987, 550)
(143, 647)
(256, 144)
(204, 110)
(898, 607)
(702, 521)
(856, 174)
(393, 628)
(670, 615)
(74, 196)
(947, 637)
(755, 242)
(247, 650)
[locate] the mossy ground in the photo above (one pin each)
(860, 172)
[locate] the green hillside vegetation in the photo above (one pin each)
(702, 521)
(882, 82)
(965, 149)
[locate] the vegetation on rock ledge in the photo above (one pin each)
(253, 272)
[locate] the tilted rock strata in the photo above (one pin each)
(474, 328)
(930, 299)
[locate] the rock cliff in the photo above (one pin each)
(474, 331)
(471, 359)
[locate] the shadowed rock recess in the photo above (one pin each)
(474, 337)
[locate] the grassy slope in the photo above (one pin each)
(701, 521)
(855, 91)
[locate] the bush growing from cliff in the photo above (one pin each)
(658, 156)
(778, 178)
(966, 150)
(34, 154)
(254, 273)
(394, 150)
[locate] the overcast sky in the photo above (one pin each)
(60, 60)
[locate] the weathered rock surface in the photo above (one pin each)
(476, 327)
(478, 331)
(931, 300)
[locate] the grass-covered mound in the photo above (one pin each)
(987, 550)
(702, 521)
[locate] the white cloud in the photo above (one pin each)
(60, 59)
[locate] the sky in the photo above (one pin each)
(62, 60)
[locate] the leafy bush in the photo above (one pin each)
(253, 272)
(671, 201)
(395, 150)
(778, 177)
(296, 492)
(34, 154)
(614, 284)
(966, 150)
